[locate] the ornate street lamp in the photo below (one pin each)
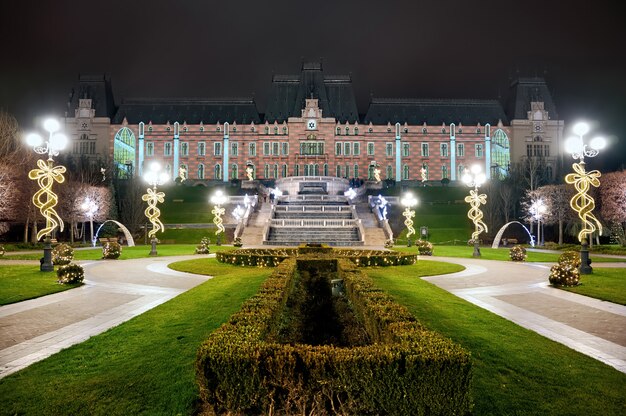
(475, 178)
(218, 199)
(409, 201)
(45, 199)
(90, 209)
(537, 210)
(155, 178)
(582, 202)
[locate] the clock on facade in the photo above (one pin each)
(311, 125)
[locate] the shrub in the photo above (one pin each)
(237, 242)
(70, 273)
(62, 254)
(564, 274)
(1, 250)
(111, 251)
(517, 253)
(203, 248)
(424, 247)
(570, 256)
(389, 243)
(550, 245)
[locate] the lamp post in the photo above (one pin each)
(155, 178)
(409, 201)
(90, 208)
(45, 199)
(582, 202)
(537, 209)
(218, 199)
(474, 178)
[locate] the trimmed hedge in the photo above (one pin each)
(272, 257)
(407, 369)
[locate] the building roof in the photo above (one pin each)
(96, 87)
(416, 111)
(289, 92)
(192, 111)
(523, 91)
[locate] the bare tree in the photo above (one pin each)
(613, 203)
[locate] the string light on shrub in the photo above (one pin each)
(582, 180)
(155, 178)
(475, 178)
(46, 175)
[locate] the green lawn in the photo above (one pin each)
(516, 371)
(488, 253)
(18, 283)
(144, 366)
(604, 284)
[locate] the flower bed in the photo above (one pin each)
(402, 369)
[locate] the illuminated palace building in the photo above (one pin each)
(312, 127)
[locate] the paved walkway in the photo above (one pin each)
(520, 293)
(114, 292)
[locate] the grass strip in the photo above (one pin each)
(18, 283)
(604, 284)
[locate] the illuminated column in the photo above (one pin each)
(398, 154)
(176, 149)
(452, 152)
(141, 147)
(488, 151)
(225, 167)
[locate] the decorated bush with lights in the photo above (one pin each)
(425, 248)
(203, 247)
(1, 250)
(262, 362)
(62, 254)
(70, 274)
(570, 256)
(566, 272)
(517, 253)
(111, 251)
(237, 242)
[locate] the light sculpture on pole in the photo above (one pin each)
(409, 201)
(155, 178)
(537, 209)
(45, 199)
(582, 202)
(90, 209)
(218, 199)
(475, 178)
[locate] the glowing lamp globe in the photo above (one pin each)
(581, 128)
(467, 178)
(34, 140)
(163, 177)
(480, 179)
(155, 166)
(150, 176)
(573, 145)
(598, 143)
(475, 169)
(51, 125)
(58, 141)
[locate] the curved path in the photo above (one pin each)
(520, 293)
(114, 292)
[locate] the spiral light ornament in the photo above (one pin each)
(45, 199)
(152, 197)
(475, 214)
(582, 203)
(218, 211)
(408, 222)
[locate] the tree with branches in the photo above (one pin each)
(613, 203)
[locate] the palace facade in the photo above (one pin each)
(311, 126)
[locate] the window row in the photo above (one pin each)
(269, 148)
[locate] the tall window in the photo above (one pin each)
(200, 171)
(424, 149)
(266, 171)
(124, 151)
(285, 171)
(356, 148)
(252, 149)
(338, 149)
(443, 149)
(266, 148)
(275, 148)
(284, 148)
(167, 149)
(356, 171)
(444, 172)
(405, 172)
(460, 149)
(311, 148)
(149, 149)
(218, 171)
(405, 150)
(234, 171)
(478, 150)
(201, 148)
(275, 171)
(217, 149)
(234, 149)
(389, 149)
(338, 171)
(296, 170)
(389, 172)
(184, 149)
(500, 153)
(347, 148)
(325, 169)
(370, 149)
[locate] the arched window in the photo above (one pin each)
(217, 171)
(389, 172)
(200, 171)
(285, 171)
(266, 171)
(275, 170)
(325, 169)
(370, 172)
(356, 171)
(405, 172)
(124, 152)
(306, 170)
(296, 170)
(316, 170)
(338, 171)
(234, 171)
(500, 154)
(444, 172)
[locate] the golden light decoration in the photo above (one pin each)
(182, 174)
(249, 173)
(409, 201)
(45, 199)
(218, 199)
(153, 212)
(377, 174)
(475, 214)
(582, 203)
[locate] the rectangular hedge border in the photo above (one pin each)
(406, 370)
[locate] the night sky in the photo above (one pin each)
(392, 48)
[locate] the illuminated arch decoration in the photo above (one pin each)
(127, 234)
(475, 214)
(582, 203)
(498, 237)
(44, 198)
(500, 154)
(124, 152)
